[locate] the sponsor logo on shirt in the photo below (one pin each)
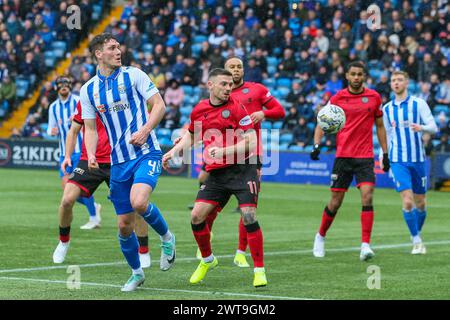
(119, 106)
(245, 121)
(101, 108)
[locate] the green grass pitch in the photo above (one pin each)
(288, 214)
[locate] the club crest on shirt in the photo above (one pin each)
(245, 91)
(101, 108)
(365, 99)
(96, 95)
(226, 114)
(121, 88)
(393, 124)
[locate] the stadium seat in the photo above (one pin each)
(198, 39)
(186, 111)
(308, 148)
(277, 125)
(61, 45)
(163, 133)
(440, 108)
(147, 47)
(59, 53)
(196, 48)
(165, 141)
(283, 92)
(266, 125)
(311, 126)
(295, 148)
(271, 70)
(22, 87)
(284, 147)
(286, 138)
(184, 120)
(284, 82)
(188, 90)
(272, 61)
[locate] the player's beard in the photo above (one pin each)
(237, 81)
(356, 88)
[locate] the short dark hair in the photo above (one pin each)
(219, 72)
(98, 42)
(233, 57)
(356, 64)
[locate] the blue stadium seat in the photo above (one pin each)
(165, 141)
(295, 148)
(184, 120)
(308, 149)
(188, 90)
(311, 125)
(284, 147)
(286, 138)
(199, 39)
(284, 82)
(196, 48)
(147, 47)
(277, 125)
(272, 61)
(271, 70)
(186, 111)
(22, 87)
(59, 53)
(283, 92)
(440, 108)
(59, 45)
(163, 133)
(266, 125)
(269, 82)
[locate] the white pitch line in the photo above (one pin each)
(190, 259)
(215, 293)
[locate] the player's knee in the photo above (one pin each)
(67, 202)
(197, 217)
(139, 205)
(249, 216)
(125, 227)
(367, 199)
(408, 203)
(421, 204)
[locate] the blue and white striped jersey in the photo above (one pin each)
(60, 115)
(404, 144)
(121, 102)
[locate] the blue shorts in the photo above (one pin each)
(75, 159)
(410, 176)
(145, 169)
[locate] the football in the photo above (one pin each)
(331, 118)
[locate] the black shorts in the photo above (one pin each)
(89, 180)
(345, 168)
(240, 180)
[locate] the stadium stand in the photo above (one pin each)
(297, 49)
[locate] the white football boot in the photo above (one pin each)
(319, 246)
(60, 252)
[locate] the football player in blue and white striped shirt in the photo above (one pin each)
(130, 107)
(60, 114)
(405, 118)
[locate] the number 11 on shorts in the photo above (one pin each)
(253, 187)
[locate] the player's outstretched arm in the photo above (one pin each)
(71, 142)
(183, 144)
(157, 109)
(318, 135)
(91, 140)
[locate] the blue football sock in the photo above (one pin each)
(130, 249)
(421, 216)
(89, 203)
(154, 218)
(411, 221)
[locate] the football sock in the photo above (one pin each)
(327, 220)
(89, 203)
(130, 250)
(211, 217)
(203, 237)
(64, 234)
(255, 242)
(154, 218)
(209, 259)
(421, 216)
(143, 244)
(366, 223)
(411, 221)
(242, 245)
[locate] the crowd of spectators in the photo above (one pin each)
(298, 49)
(27, 31)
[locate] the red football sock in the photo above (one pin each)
(366, 223)
(203, 237)
(143, 249)
(211, 217)
(255, 242)
(242, 236)
(64, 234)
(327, 220)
